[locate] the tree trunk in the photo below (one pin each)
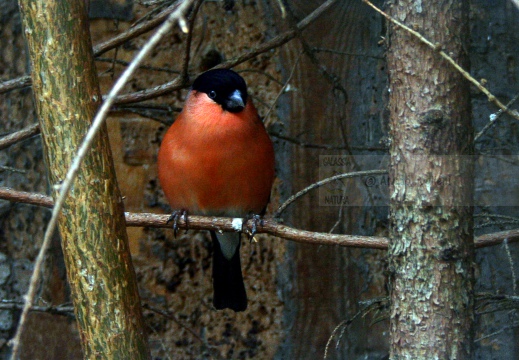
(431, 252)
(92, 224)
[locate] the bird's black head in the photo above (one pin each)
(225, 87)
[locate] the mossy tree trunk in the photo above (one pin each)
(431, 251)
(92, 225)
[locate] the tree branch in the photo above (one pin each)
(309, 188)
(438, 47)
(19, 135)
(269, 226)
(178, 83)
(102, 48)
(63, 309)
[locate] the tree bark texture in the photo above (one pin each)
(431, 251)
(91, 225)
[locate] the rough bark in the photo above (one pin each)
(92, 225)
(431, 251)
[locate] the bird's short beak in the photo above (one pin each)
(235, 102)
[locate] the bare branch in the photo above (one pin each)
(179, 83)
(278, 40)
(269, 226)
(187, 53)
(494, 118)
(152, 93)
(102, 48)
(25, 197)
(323, 182)
(438, 48)
(307, 145)
(64, 309)
(135, 31)
(18, 83)
(19, 135)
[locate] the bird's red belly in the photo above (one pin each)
(221, 183)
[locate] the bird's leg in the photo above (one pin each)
(251, 230)
(175, 216)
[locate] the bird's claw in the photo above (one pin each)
(175, 217)
(251, 230)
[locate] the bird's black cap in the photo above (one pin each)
(225, 87)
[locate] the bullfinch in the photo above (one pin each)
(218, 160)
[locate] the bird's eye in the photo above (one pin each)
(212, 94)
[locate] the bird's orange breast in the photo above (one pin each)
(215, 162)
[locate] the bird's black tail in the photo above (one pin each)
(229, 290)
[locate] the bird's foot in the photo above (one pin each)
(175, 217)
(257, 220)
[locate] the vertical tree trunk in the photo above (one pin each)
(92, 224)
(431, 252)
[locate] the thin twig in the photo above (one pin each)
(12, 169)
(214, 350)
(64, 309)
(278, 40)
(367, 307)
(100, 49)
(18, 83)
(261, 72)
(187, 52)
(143, 67)
(266, 117)
(495, 223)
(438, 48)
(82, 152)
(19, 135)
(137, 30)
(307, 145)
(164, 89)
(178, 83)
(512, 267)
(494, 118)
(497, 216)
(324, 182)
(345, 53)
(332, 78)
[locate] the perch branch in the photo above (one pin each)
(269, 226)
